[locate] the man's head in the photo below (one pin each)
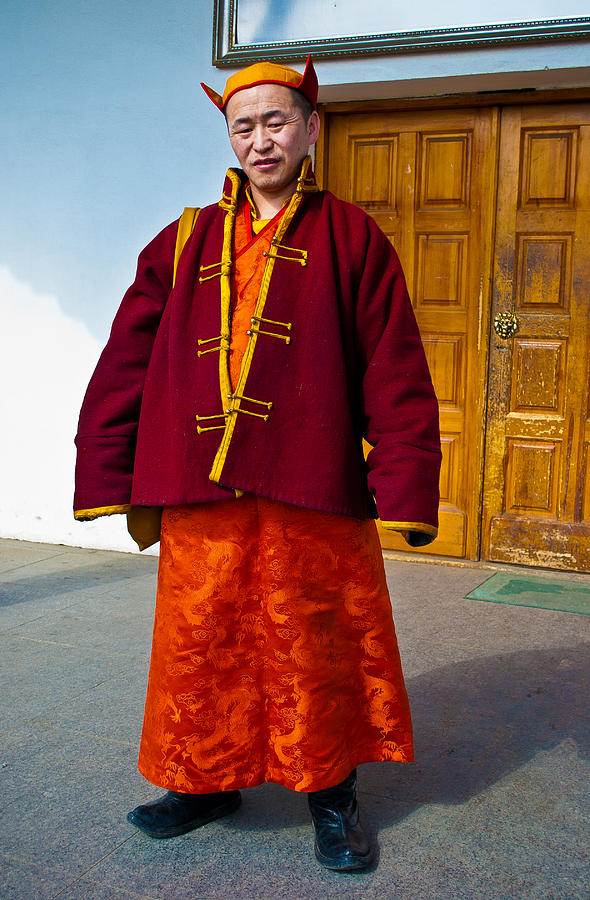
(270, 136)
(272, 122)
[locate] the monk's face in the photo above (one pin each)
(270, 137)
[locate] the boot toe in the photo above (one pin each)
(344, 850)
(347, 861)
(175, 814)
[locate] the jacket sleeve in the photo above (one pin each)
(399, 405)
(109, 418)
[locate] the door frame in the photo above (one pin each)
(438, 102)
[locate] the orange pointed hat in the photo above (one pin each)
(268, 73)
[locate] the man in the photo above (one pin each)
(234, 393)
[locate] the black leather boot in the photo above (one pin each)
(340, 842)
(175, 813)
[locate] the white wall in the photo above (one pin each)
(106, 136)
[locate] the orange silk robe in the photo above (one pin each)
(274, 655)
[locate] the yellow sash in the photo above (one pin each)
(144, 522)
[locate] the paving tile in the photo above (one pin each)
(505, 841)
(111, 710)
(23, 880)
(478, 719)
(40, 677)
(46, 559)
(15, 555)
(457, 626)
(54, 579)
(121, 623)
(233, 859)
(96, 566)
(41, 761)
(66, 802)
(88, 889)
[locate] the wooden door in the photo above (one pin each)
(428, 179)
(537, 478)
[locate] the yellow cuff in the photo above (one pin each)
(86, 515)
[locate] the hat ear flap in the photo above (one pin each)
(308, 85)
(215, 98)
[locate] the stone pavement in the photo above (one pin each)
(496, 806)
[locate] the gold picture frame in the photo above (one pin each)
(228, 51)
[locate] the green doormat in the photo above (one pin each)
(522, 590)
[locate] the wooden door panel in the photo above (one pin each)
(531, 477)
(538, 378)
(548, 169)
(544, 271)
(444, 170)
(428, 179)
(374, 169)
(537, 444)
(445, 357)
(441, 270)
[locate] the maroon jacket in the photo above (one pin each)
(334, 356)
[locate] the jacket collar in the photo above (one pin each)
(236, 178)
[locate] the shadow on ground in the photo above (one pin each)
(475, 722)
(49, 584)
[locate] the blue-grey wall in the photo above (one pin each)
(106, 135)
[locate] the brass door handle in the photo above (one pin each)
(506, 325)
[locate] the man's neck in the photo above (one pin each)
(268, 205)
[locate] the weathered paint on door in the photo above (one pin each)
(536, 507)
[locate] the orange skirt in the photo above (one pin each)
(274, 655)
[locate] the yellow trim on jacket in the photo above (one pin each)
(186, 226)
(86, 515)
(225, 288)
(231, 400)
